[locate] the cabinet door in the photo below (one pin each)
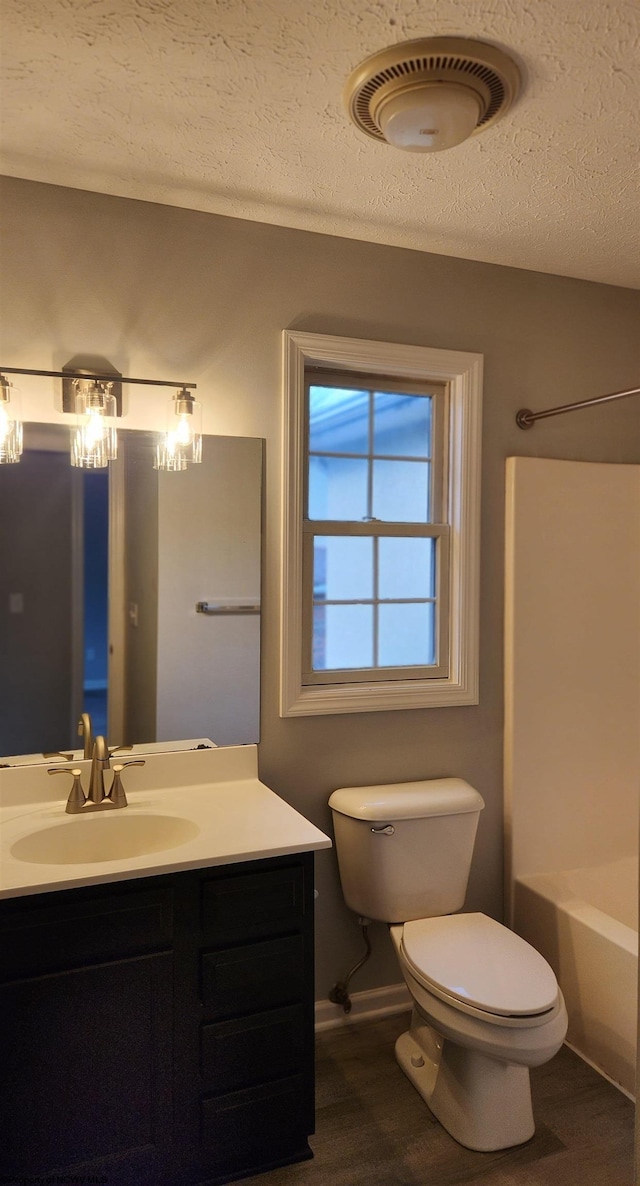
(87, 1070)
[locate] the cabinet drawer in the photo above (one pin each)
(48, 932)
(253, 1049)
(249, 905)
(253, 977)
(247, 1129)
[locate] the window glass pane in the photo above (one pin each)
(319, 638)
(406, 635)
(342, 568)
(342, 636)
(337, 488)
(401, 491)
(406, 567)
(401, 425)
(338, 420)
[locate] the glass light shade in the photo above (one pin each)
(429, 118)
(182, 444)
(10, 424)
(169, 458)
(94, 442)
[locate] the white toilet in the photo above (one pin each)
(486, 1005)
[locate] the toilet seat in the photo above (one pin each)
(475, 964)
(528, 1041)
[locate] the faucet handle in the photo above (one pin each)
(116, 792)
(77, 797)
(57, 754)
(116, 749)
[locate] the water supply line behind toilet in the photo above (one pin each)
(339, 994)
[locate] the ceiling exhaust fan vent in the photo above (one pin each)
(410, 68)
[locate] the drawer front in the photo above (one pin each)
(247, 1129)
(250, 905)
(252, 978)
(234, 1054)
(48, 933)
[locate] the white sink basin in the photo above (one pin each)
(103, 836)
(187, 810)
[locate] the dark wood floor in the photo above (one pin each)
(374, 1130)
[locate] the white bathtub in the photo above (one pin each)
(585, 923)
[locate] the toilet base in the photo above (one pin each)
(484, 1104)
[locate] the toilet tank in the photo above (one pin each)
(404, 849)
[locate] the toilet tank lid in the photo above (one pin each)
(407, 800)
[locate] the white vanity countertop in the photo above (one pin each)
(230, 816)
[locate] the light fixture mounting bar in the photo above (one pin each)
(526, 419)
(100, 378)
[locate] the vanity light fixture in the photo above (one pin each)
(182, 443)
(94, 443)
(10, 423)
(92, 397)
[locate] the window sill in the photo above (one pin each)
(381, 696)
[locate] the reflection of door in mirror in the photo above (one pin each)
(40, 583)
(53, 625)
(173, 540)
(95, 569)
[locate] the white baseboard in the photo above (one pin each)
(365, 1006)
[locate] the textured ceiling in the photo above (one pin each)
(234, 106)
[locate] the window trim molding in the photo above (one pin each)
(462, 371)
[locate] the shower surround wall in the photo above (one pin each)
(572, 749)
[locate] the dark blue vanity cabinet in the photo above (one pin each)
(159, 1032)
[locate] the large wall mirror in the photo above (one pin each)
(130, 593)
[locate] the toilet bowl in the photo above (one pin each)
(486, 1007)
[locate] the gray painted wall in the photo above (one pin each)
(176, 293)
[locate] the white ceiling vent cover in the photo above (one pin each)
(431, 94)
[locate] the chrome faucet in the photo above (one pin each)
(97, 799)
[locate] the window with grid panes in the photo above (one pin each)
(375, 549)
(381, 502)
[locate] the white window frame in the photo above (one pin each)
(462, 372)
(375, 530)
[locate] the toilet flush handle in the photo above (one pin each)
(389, 830)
